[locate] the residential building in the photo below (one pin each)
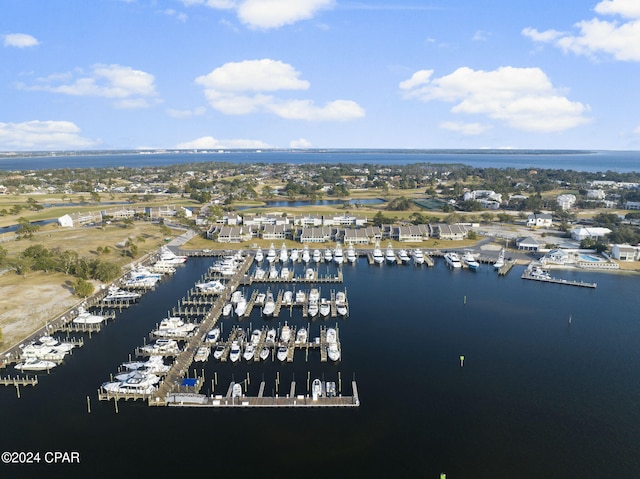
(566, 201)
(594, 233)
(540, 220)
(625, 252)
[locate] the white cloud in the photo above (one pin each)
(20, 40)
(131, 87)
(254, 75)
(42, 135)
(481, 36)
(211, 143)
(465, 128)
(637, 131)
(266, 14)
(240, 88)
(301, 143)
(620, 39)
(182, 114)
(180, 16)
(523, 98)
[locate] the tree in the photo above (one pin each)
(267, 191)
(95, 197)
(83, 288)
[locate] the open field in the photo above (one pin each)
(28, 302)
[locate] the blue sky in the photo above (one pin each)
(216, 74)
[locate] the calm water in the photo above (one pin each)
(620, 161)
(537, 397)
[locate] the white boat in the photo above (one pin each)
(284, 254)
(330, 389)
(301, 336)
(234, 354)
(173, 327)
(282, 353)
(309, 274)
(136, 383)
(452, 259)
(214, 286)
(202, 354)
(271, 254)
(418, 256)
(536, 272)
(52, 342)
(273, 272)
(351, 254)
(324, 308)
(271, 336)
(217, 353)
(236, 390)
(226, 309)
(259, 274)
(260, 299)
(378, 257)
(287, 298)
(316, 256)
(332, 336)
(141, 277)
(259, 255)
(154, 365)
(264, 353)
(306, 257)
(328, 255)
(236, 296)
(169, 257)
(42, 351)
(341, 303)
(333, 351)
(241, 306)
(162, 346)
(470, 260)
(284, 272)
(269, 304)
(301, 297)
(338, 256)
(249, 352)
(313, 308)
(213, 335)
(115, 294)
(285, 333)
(295, 255)
(500, 261)
(35, 364)
(316, 389)
(255, 337)
(85, 317)
(314, 293)
(390, 255)
(404, 256)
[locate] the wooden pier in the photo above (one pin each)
(260, 400)
(568, 282)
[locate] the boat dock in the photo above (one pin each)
(260, 400)
(527, 275)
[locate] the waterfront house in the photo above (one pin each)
(528, 244)
(320, 234)
(412, 233)
(594, 233)
(276, 232)
(444, 231)
(556, 256)
(625, 252)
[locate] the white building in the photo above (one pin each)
(566, 201)
(579, 234)
(596, 194)
(625, 252)
(541, 220)
(65, 221)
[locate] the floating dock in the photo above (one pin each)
(527, 275)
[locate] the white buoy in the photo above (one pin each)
(461, 361)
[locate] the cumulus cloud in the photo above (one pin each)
(523, 98)
(131, 88)
(20, 40)
(301, 143)
(619, 38)
(266, 14)
(211, 143)
(240, 88)
(42, 135)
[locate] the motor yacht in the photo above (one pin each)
(217, 353)
(236, 390)
(452, 259)
(330, 389)
(284, 273)
(404, 256)
(52, 342)
(234, 354)
(316, 389)
(285, 333)
(301, 297)
(255, 337)
(273, 272)
(351, 254)
(154, 365)
(328, 255)
(115, 294)
(213, 335)
(287, 298)
(338, 256)
(341, 303)
(214, 286)
(390, 255)
(306, 257)
(282, 353)
(332, 336)
(470, 260)
(249, 352)
(301, 336)
(202, 354)
(271, 254)
(260, 299)
(333, 351)
(136, 383)
(35, 364)
(500, 261)
(284, 254)
(264, 353)
(295, 255)
(259, 255)
(418, 256)
(85, 317)
(309, 274)
(162, 346)
(317, 256)
(241, 306)
(271, 336)
(226, 309)
(325, 308)
(259, 274)
(269, 304)
(378, 257)
(169, 257)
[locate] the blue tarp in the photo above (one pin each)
(189, 382)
